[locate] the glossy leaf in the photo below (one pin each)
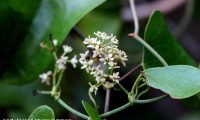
(91, 111)
(52, 16)
(42, 112)
(159, 37)
(179, 81)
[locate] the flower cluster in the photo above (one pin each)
(60, 62)
(45, 77)
(101, 58)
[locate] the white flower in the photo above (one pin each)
(67, 49)
(122, 57)
(74, 61)
(95, 54)
(112, 65)
(62, 62)
(100, 79)
(115, 76)
(84, 56)
(85, 61)
(102, 35)
(114, 40)
(86, 64)
(91, 42)
(93, 88)
(98, 74)
(55, 42)
(103, 53)
(45, 77)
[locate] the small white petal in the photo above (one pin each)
(55, 42)
(62, 62)
(74, 61)
(45, 77)
(93, 88)
(67, 49)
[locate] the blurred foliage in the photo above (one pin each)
(20, 99)
(42, 18)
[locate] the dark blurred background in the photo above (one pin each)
(113, 16)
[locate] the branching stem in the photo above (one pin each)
(142, 93)
(107, 100)
(147, 46)
(92, 99)
(150, 100)
(129, 104)
(131, 71)
(116, 110)
(139, 39)
(59, 79)
(123, 88)
(135, 84)
(66, 106)
(134, 14)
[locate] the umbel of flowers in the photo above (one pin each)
(61, 62)
(101, 59)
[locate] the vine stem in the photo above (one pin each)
(92, 99)
(59, 79)
(129, 104)
(44, 92)
(123, 88)
(134, 14)
(55, 56)
(107, 100)
(66, 106)
(138, 38)
(143, 92)
(147, 46)
(135, 84)
(131, 71)
(116, 110)
(54, 75)
(150, 100)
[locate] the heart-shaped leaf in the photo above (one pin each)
(179, 81)
(159, 37)
(42, 112)
(52, 16)
(91, 111)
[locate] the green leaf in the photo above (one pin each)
(159, 37)
(179, 81)
(42, 112)
(47, 16)
(91, 111)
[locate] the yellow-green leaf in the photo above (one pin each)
(179, 81)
